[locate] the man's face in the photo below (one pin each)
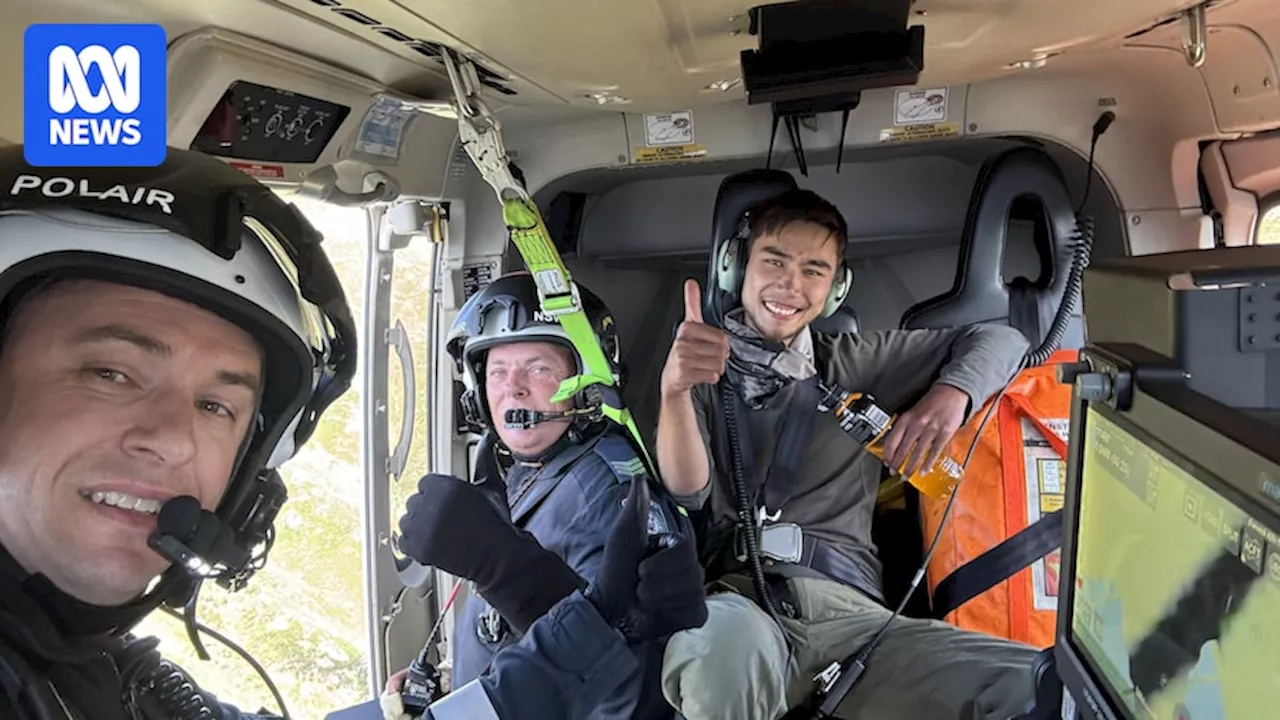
(114, 400)
(524, 376)
(789, 275)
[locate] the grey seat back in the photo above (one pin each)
(980, 293)
(843, 322)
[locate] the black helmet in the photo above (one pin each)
(507, 311)
(198, 230)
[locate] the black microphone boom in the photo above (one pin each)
(523, 418)
(195, 538)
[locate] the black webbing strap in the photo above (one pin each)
(792, 445)
(1024, 309)
(793, 442)
(998, 564)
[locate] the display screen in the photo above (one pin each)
(1176, 605)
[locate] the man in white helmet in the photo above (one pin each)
(168, 337)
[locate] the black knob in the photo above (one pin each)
(1067, 372)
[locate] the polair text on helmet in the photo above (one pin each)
(60, 187)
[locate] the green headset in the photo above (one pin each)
(731, 268)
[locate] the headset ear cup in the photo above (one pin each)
(471, 411)
(742, 255)
(728, 276)
(839, 291)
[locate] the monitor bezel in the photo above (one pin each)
(1236, 446)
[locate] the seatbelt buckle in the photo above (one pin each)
(783, 542)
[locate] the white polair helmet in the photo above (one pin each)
(198, 230)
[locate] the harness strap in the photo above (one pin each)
(29, 695)
(823, 557)
(789, 453)
(1024, 309)
(559, 297)
(1016, 551)
(998, 564)
(793, 444)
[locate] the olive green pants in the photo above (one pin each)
(738, 666)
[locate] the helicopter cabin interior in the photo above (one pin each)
(969, 171)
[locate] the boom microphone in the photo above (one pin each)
(190, 536)
(524, 419)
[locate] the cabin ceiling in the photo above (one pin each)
(670, 54)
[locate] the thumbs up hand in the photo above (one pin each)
(692, 301)
(699, 352)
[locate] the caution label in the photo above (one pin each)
(920, 107)
(262, 172)
(1045, 475)
(666, 129)
(670, 153)
(925, 131)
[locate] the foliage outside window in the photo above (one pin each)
(303, 616)
(1269, 227)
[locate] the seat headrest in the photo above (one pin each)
(843, 322)
(980, 293)
(738, 193)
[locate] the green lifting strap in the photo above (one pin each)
(559, 298)
(480, 134)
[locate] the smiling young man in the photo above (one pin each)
(742, 663)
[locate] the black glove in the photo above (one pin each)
(450, 525)
(672, 592)
(647, 588)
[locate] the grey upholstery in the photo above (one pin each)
(843, 322)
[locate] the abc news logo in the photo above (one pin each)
(94, 95)
(69, 90)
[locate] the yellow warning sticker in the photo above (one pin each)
(668, 153)
(923, 131)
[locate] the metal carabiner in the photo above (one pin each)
(480, 132)
(464, 90)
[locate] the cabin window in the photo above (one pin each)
(1269, 225)
(302, 617)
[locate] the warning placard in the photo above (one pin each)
(666, 129)
(919, 107)
(674, 153)
(476, 277)
(1045, 475)
(931, 131)
(384, 129)
(262, 172)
